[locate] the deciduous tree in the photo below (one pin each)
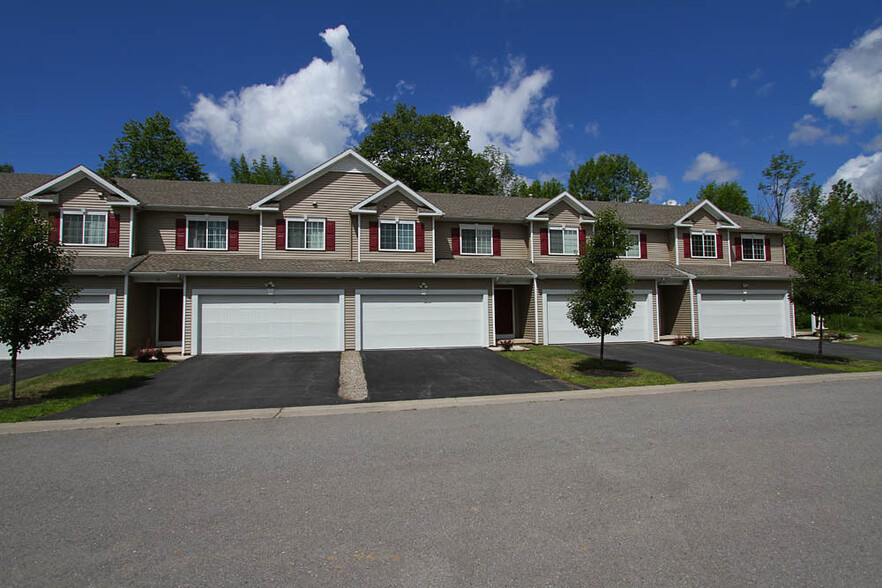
(613, 178)
(728, 197)
(782, 181)
(539, 189)
(6, 168)
(260, 172)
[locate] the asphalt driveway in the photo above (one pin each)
(445, 373)
(693, 365)
(226, 382)
(31, 368)
(806, 346)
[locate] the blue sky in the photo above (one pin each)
(692, 92)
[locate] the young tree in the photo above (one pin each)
(35, 292)
(780, 184)
(151, 149)
(428, 152)
(259, 172)
(603, 299)
(728, 197)
(613, 178)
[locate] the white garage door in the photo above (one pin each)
(267, 324)
(410, 321)
(743, 315)
(94, 339)
(637, 327)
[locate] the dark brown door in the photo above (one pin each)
(171, 314)
(504, 306)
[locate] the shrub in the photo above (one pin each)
(506, 344)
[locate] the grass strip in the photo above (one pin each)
(824, 362)
(58, 391)
(867, 339)
(585, 371)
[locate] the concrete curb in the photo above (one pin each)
(408, 405)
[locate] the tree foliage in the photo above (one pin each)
(538, 189)
(603, 298)
(151, 149)
(35, 293)
(782, 182)
(728, 197)
(613, 178)
(260, 172)
(6, 168)
(428, 152)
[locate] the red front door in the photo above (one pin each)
(503, 304)
(171, 314)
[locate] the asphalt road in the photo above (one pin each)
(768, 486)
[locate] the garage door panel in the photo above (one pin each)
(414, 321)
(94, 339)
(742, 315)
(637, 327)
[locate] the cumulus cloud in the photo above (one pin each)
(710, 167)
(516, 117)
(806, 131)
(875, 144)
(402, 88)
(592, 128)
(864, 172)
(303, 119)
(765, 89)
(852, 88)
(660, 184)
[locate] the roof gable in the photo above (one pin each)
(80, 172)
(396, 187)
(712, 210)
(565, 197)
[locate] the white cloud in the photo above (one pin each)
(710, 167)
(864, 172)
(733, 83)
(756, 74)
(852, 88)
(516, 117)
(592, 128)
(765, 89)
(660, 184)
(671, 202)
(401, 88)
(795, 3)
(875, 144)
(303, 119)
(807, 132)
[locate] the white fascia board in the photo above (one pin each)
(575, 202)
(715, 212)
(320, 170)
(393, 187)
(78, 173)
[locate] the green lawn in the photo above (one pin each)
(58, 391)
(585, 371)
(833, 363)
(868, 339)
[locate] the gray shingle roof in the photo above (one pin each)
(741, 270)
(109, 264)
(637, 269)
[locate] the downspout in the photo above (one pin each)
(184, 321)
(125, 325)
(656, 312)
(131, 231)
(492, 313)
(729, 248)
(536, 310)
(783, 249)
(692, 306)
(532, 256)
(358, 234)
(434, 257)
(676, 247)
(260, 238)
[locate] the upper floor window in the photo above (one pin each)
(207, 232)
(634, 245)
(704, 245)
(563, 241)
(753, 248)
(306, 233)
(84, 228)
(397, 235)
(476, 239)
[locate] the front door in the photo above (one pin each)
(503, 304)
(171, 314)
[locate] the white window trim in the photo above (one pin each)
(704, 246)
(761, 238)
(564, 229)
(395, 222)
(638, 256)
(206, 218)
(305, 220)
(476, 228)
(84, 213)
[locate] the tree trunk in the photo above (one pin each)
(821, 337)
(601, 349)
(12, 375)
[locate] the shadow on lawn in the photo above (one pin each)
(813, 357)
(591, 366)
(103, 387)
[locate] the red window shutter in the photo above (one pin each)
(233, 235)
(330, 235)
(55, 227)
(543, 241)
(768, 249)
(280, 234)
(687, 245)
(736, 248)
(113, 230)
(454, 240)
(719, 246)
(497, 242)
(374, 236)
(420, 237)
(581, 241)
(180, 233)
(643, 254)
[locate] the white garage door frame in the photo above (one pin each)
(786, 319)
(110, 348)
(196, 325)
(485, 324)
(650, 319)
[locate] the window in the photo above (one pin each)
(476, 239)
(704, 245)
(307, 233)
(753, 248)
(207, 232)
(563, 241)
(634, 247)
(397, 235)
(84, 228)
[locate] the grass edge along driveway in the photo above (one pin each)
(585, 371)
(58, 391)
(806, 359)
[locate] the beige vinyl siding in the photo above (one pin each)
(116, 284)
(683, 324)
(86, 195)
(329, 197)
(710, 285)
(530, 317)
(156, 230)
(563, 214)
(657, 245)
(537, 245)
(776, 243)
(404, 256)
(514, 242)
(723, 233)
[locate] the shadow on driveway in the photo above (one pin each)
(225, 382)
(447, 373)
(694, 365)
(811, 347)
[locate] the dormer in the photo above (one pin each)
(558, 228)
(704, 234)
